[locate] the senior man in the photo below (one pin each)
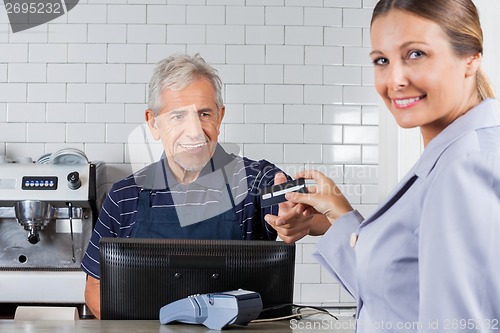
(196, 190)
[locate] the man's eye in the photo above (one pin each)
(178, 117)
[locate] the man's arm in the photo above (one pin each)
(93, 296)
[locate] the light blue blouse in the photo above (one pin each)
(428, 259)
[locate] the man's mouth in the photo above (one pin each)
(193, 145)
(407, 102)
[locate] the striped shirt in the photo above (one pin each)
(245, 177)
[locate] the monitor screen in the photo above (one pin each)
(139, 276)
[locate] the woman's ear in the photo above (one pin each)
(473, 63)
(152, 124)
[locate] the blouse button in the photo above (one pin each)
(353, 240)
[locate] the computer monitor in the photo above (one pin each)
(139, 276)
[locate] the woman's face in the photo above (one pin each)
(420, 79)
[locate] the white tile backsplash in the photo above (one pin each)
(13, 132)
(264, 113)
(225, 34)
(85, 132)
(46, 92)
(27, 73)
(66, 72)
(69, 33)
(284, 54)
(129, 14)
(278, 15)
(105, 73)
(260, 34)
(65, 112)
(43, 53)
(298, 89)
(13, 92)
(3, 72)
(347, 154)
(303, 153)
(325, 134)
(323, 17)
(303, 35)
(245, 15)
(161, 14)
(128, 93)
(186, 34)
(264, 74)
(307, 74)
(284, 133)
(105, 113)
(126, 53)
(78, 53)
(335, 114)
(149, 34)
(45, 132)
(322, 94)
(205, 14)
(86, 92)
(19, 112)
(249, 93)
(360, 134)
(359, 18)
(245, 54)
(284, 94)
(343, 36)
(87, 13)
(302, 114)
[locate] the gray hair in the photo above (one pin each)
(177, 72)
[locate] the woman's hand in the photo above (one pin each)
(325, 197)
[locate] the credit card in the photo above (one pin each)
(275, 194)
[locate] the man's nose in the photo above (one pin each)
(193, 126)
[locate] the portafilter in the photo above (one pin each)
(34, 215)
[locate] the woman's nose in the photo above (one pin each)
(397, 77)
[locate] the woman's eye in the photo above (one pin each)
(380, 61)
(415, 54)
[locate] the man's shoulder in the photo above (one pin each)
(130, 184)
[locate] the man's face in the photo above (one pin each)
(188, 126)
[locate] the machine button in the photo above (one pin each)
(74, 181)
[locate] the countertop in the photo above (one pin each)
(345, 325)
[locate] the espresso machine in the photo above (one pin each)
(47, 213)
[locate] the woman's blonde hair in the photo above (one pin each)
(459, 19)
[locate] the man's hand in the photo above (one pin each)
(295, 221)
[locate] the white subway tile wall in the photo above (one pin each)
(298, 90)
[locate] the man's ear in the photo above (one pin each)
(152, 124)
(473, 63)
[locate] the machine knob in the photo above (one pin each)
(33, 237)
(74, 181)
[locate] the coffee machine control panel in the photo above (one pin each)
(39, 183)
(48, 182)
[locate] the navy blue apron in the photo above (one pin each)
(163, 222)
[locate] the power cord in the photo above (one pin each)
(298, 312)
